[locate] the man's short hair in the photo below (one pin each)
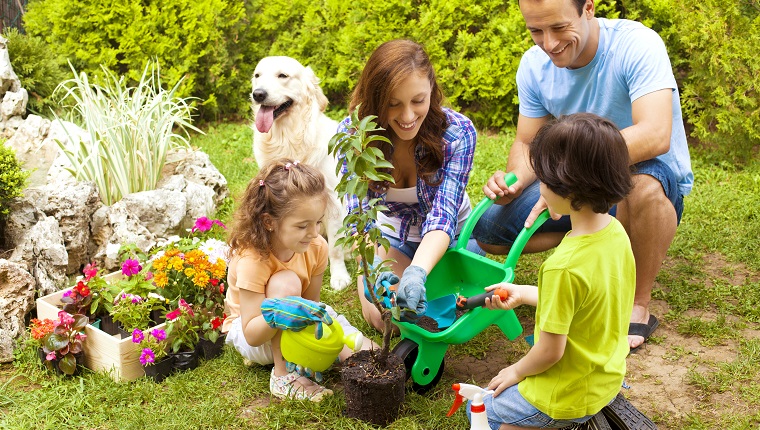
(578, 4)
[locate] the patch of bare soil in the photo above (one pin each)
(657, 373)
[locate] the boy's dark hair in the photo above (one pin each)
(583, 157)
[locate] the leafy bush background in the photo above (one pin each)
(475, 46)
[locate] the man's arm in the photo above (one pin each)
(649, 136)
(518, 162)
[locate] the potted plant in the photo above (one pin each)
(192, 268)
(102, 296)
(182, 328)
(374, 380)
(131, 311)
(63, 346)
(210, 339)
(154, 358)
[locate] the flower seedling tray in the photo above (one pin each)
(120, 358)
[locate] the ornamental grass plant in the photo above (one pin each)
(130, 130)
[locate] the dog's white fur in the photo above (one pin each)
(300, 132)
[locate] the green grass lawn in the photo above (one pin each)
(709, 287)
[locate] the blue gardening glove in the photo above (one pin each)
(295, 313)
(411, 290)
(390, 277)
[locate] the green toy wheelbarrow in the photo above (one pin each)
(459, 273)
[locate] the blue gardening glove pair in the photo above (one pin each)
(295, 313)
(388, 276)
(411, 290)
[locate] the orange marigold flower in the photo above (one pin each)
(40, 328)
(176, 263)
(159, 264)
(160, 279)
(201, 279)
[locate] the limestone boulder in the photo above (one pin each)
(16, 300)
(43, 253)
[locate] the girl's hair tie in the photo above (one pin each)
(261, 182)
(289, 165)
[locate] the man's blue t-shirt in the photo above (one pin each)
(631, 61)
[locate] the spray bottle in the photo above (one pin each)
(478, 418)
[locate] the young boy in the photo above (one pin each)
(585, 289)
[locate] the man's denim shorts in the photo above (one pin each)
(500, 225)
(409, 248)
(510, 407)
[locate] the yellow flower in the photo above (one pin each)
(176, 263)
(160, 279)
(201, 279)
(159, 264)
(189, 272)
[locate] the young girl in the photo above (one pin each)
(278, 260)
(585, 289)
(432, 151)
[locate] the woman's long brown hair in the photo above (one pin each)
(387, 67)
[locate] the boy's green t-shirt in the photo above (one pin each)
(585, 291)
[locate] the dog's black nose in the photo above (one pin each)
(259, 95)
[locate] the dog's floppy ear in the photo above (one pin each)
(312, 83)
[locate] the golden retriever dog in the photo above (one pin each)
(289, 121)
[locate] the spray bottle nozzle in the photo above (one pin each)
(465, 391)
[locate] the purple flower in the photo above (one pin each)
(67, 293)
(147, 357)
(131, 267)
(158, 334)
(137, 336)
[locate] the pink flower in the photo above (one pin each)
(183, 305)
(50, 356)
(137, 336)
(65, 319)
(148, 276)
(147, 357)
(173, 314)
(205, 224)
(202, 224)
(90, 271)
(158, 334)
(131, 267)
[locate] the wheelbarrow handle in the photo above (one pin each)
(522, 238)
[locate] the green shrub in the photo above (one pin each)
(474, 46)
(193, 40)
(12, 178)
(39, 67)
(713, 46)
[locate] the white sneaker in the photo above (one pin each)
(283, 387)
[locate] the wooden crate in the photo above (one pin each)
(120, 358)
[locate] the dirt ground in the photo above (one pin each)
(658, 373)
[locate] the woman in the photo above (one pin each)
(432, 151)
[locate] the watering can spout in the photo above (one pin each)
(354, 341)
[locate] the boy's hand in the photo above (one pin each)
(505, 379)
(495, 302)
(295, 313)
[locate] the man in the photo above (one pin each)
(620, 70)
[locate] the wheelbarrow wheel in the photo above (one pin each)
(407, 350)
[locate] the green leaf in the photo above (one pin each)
(68, 364)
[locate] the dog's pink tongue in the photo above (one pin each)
(264, 118)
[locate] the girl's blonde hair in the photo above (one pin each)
(272, 194)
